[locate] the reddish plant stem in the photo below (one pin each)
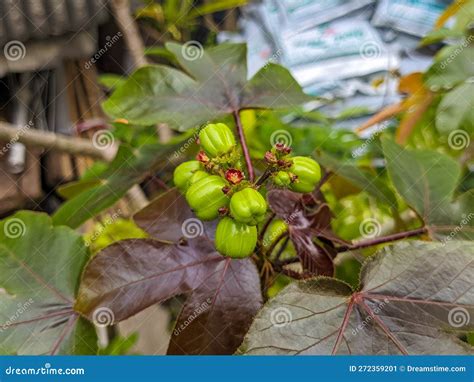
(275, 243)
(362, 244)
(383, 239)
(266, 225)
(243, 143)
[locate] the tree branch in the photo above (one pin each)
(51, 141)
(127, 25)
(136, 47)
(243, 143)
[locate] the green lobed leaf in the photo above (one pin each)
(414, 297)
(427, 181)
(40, 267)
(216, 86)
(364, 179)
(453, 66)
(456, 110)
(127, 169)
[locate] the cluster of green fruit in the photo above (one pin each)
(215, 186)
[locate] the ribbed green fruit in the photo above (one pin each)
(248, 206)
(308, 172)
(183, 173)
(216, 139)
(197, 176)
(276, 228)
(234, 239)
(205, 197)
(282, 179)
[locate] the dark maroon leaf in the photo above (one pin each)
(415, 298)
(131, 275)
(168, 217)
(314, 258)
(308, 217)
(218, 312)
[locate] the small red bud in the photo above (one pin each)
(202, 157)
(226, 189)
(223, 211)
(281, 147)
(270, 157)
(234, 176)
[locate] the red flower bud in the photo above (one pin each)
(226, 189)
(281, 147)
(223, 211)
(270, 157)
(202, 157)
(234, 176)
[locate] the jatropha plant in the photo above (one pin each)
(215, 186)
(227, 237)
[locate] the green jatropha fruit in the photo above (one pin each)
(235, 239)
(183, 173)
(206, 197)
(197, 176)
(308, 174)
(274, 231)
(248, 206)
(282, 179)
(216, 139)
